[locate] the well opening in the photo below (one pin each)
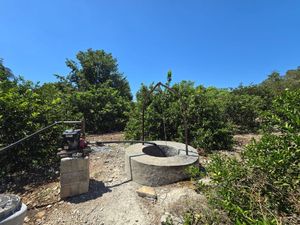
(160, 151)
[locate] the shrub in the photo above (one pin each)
(264, 187)
(99, 90)
(243, 111)
(24, 109)
(164, 117)
(103, 108)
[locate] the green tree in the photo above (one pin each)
(98, 90)
(243, 112)
(292, 79)
(275, 83)
(5, 73)
(95, 67)
(164, 117)
(104, 109)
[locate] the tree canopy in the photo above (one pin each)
(5, 73)
(96, 67)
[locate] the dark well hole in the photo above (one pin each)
(160, 151)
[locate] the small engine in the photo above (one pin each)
(71, 140)
(73, 144)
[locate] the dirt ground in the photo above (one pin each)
(111, 199)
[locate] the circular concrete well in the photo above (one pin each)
(158, 165)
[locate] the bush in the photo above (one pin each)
(24, 109)
(264, 187)
(94, 89)
(98, 90)
(164, 117)
(103, 108)
(243, 111)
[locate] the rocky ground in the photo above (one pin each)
(111, 199)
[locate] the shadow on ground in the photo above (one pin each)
(96, 190)
(16, 182)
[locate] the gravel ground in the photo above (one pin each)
(111, 199)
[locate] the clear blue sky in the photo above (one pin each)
(212, 42)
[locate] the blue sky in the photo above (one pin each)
(212, 42)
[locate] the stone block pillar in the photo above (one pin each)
(74, 176)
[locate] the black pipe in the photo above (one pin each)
(37, 132)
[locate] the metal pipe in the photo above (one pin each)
(185, 129)
(69, 122)
(37, 132)
(143, 122)
(83, 128)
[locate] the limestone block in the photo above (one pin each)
(74, 177)
(146, 191)
(68, 190)
(74, 164)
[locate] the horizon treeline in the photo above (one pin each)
(96, 90)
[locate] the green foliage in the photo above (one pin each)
(254, 90)
(5, 73)
(97, 67)
(284, 116)
(246, 103)
(98, 90)
(195, 172)
(218, 97)
(25, 108)
(203, 215)
(164, 117)
(103, 108)
(94, 89)
(243, 111)
(169, 221)
(264, 187)
(276, 83)
(191, 218)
